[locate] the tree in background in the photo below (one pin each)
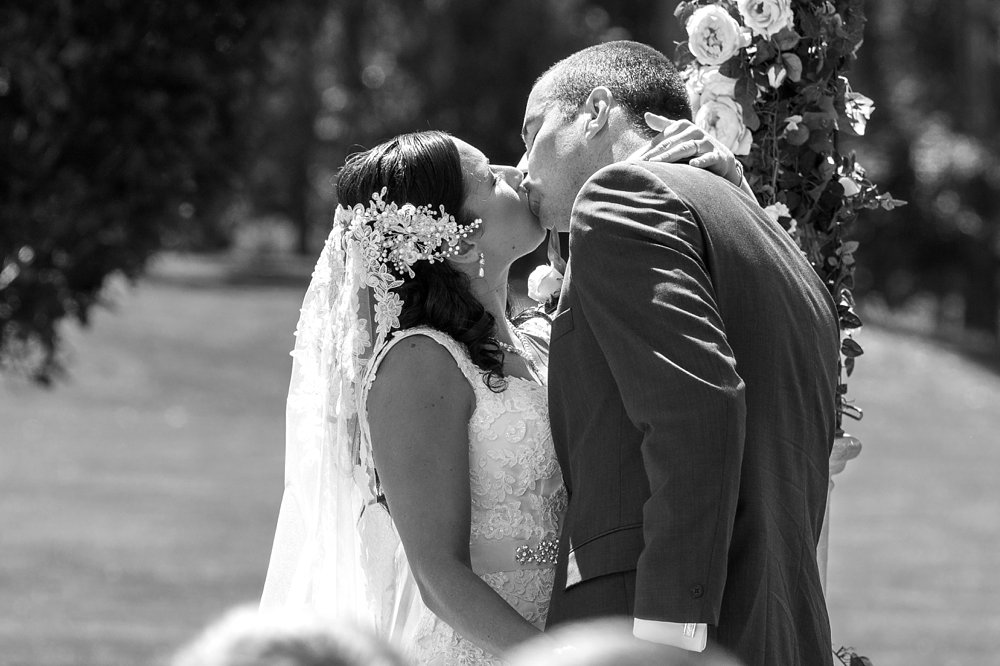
(935, 143)
(383, 67)
(128, 127)
(120, 124)
(353, 73)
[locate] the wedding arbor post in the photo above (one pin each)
(845, 448)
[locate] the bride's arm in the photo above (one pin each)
(419, 410)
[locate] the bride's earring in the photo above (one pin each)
(482, 265)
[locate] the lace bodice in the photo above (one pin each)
(518, 500)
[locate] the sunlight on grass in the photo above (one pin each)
(143, 493)
(915, 534)
(138, 499)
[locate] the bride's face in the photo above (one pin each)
(494, 194)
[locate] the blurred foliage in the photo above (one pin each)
(133, 126)
(381, 67)
(933, 141)
(119, 123)
(128, 127)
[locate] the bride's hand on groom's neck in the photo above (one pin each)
(683, 141)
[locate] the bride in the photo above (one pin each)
(422, 492)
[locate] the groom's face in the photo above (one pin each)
(555, 158)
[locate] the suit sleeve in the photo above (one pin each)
(640, 276)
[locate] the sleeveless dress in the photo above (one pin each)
(518, 500)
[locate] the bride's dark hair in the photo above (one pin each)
(425, 168)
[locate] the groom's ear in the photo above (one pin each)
(598, 109)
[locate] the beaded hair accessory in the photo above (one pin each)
(390, 239)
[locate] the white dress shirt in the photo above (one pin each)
(690, 636)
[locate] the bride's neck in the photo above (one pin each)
(491, 291)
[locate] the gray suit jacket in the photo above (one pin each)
(692, 389)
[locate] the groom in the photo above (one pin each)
(692, 378)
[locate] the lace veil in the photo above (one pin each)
(335, 549)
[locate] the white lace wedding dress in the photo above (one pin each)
(518, 500)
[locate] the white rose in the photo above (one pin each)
(694, 82)
(705, 84)
(713, 85)
(544, 282)
(723, 118)
(766, 17)
(776, 211)
(713, 35)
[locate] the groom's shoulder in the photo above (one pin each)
(683, 177)
(701, 190)
(621, 175)
(673, 180)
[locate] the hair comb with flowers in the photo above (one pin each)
(391, 239)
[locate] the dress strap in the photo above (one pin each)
(458, 351)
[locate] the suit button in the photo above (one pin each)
(697, 591)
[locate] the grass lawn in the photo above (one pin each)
(137, 500)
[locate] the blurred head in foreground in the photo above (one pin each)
(608, 642)
(248, 637)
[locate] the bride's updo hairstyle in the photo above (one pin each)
(425, 169)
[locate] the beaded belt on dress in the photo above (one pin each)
(513, 554)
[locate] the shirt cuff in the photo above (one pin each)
(689, 636)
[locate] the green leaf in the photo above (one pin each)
(682, 55)
(786, 39)
(812, 93)
(745, 90)
(850, 348)
(888, 203)
(858, 109)
(850, 320)
(826, 103)
(819, 120)
(733, 68)
(821, 143)
(809, 24)
(794, 66)
(684, 11)
(798, 136)
(746, 94)
(765, 52)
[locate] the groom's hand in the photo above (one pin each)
(680, 140)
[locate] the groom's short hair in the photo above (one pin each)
(640, 77)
